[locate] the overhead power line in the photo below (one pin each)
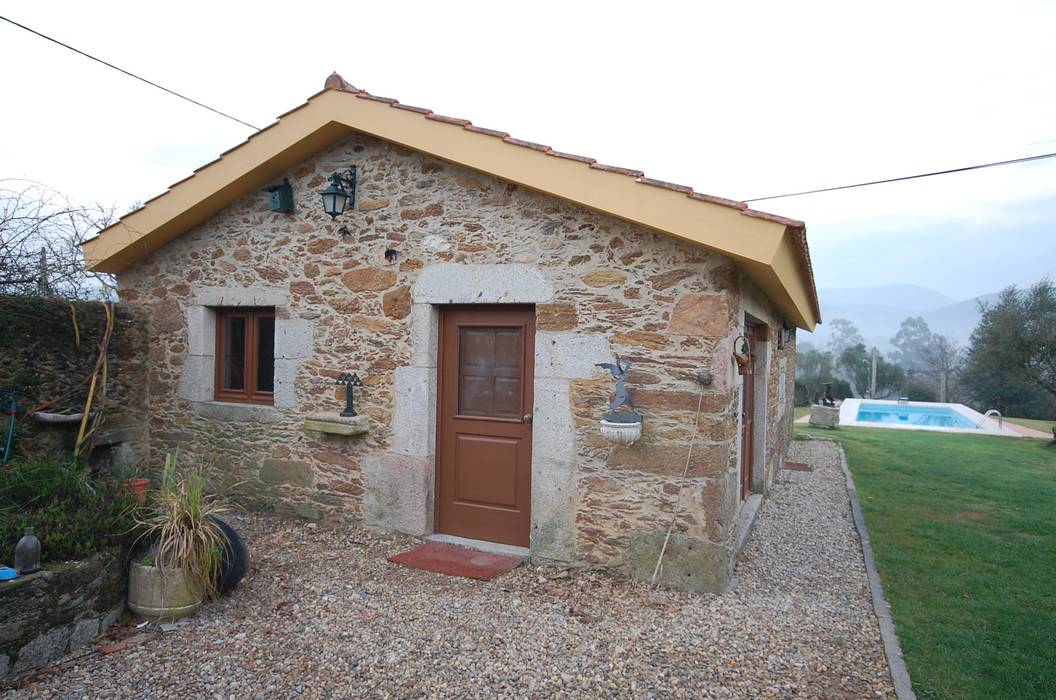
(129, 73)
(1027, 159)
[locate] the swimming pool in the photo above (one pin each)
(918, 416)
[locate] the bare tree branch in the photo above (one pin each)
(41, 231)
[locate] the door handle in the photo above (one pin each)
(527, 419)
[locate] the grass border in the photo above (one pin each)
(896, 664)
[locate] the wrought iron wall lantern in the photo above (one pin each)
(340, 193)
(784, 335)
(742, 355)
(350, 382)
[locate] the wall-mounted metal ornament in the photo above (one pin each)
(622, 424)
(350, 382)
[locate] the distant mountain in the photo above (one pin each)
(879, 311)
(901, 296)
(960, 319)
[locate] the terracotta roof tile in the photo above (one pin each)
(618, 170)
(448, 120)
(773, 217)
(796, 229)
(718, 200)
(684, 189)
(528, 144)
(573, 156)
(376, 98)
(412, 108)
(487, 132)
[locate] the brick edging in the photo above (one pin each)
(892, 649)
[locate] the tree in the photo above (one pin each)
(844, 335)
(944, 360)
(912, 338)
(1012, 360)
(40, 236)
(856, 365)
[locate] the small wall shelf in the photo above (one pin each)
(336, 424)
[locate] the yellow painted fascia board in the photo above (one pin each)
(755, 242)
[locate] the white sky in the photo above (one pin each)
(736, 99)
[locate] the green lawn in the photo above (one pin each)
(801, 411)
(1044, 426)
(964, 532)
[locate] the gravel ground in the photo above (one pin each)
(323, 614)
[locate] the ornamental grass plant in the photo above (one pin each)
(179, 521)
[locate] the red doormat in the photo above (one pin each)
(444, 558)
(798, 467)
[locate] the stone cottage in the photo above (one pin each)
(472, 283)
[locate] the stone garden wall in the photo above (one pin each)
(45, 615)
(50, 359)
(349, 303)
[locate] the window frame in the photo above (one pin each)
(249, 394)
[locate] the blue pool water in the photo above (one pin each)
(925, 416)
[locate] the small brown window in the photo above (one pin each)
(245, 355)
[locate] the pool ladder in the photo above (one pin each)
(990, 414)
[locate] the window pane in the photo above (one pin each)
(233, 353)
(265, 353)
(489, 372)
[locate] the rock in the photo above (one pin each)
(397, 303)
(286, 471)
(371, 279)
(700, 314)
(555, 317)
(372, 204)
(604, 277)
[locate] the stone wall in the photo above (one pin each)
(50, 360)
(45, 615)
(362, 302)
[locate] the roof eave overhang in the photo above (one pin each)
(762, 245)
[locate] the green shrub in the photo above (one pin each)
(73, 516)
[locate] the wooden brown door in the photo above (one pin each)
(484, 451)
(748, 415)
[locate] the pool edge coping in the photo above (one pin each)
(896, 663)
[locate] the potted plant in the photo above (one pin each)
(183, 565)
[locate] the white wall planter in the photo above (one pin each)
(621, 428)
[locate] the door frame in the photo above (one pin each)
(529, 376)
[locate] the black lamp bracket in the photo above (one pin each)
(349, 381)
(345, 179)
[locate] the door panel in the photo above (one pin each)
(484, 436)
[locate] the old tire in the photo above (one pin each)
(234, 558)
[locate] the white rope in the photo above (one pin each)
(678, 495)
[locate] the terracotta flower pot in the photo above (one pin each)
(155, 593)
(137, 487)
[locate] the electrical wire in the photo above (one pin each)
(129, 73)
(1026, 159)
